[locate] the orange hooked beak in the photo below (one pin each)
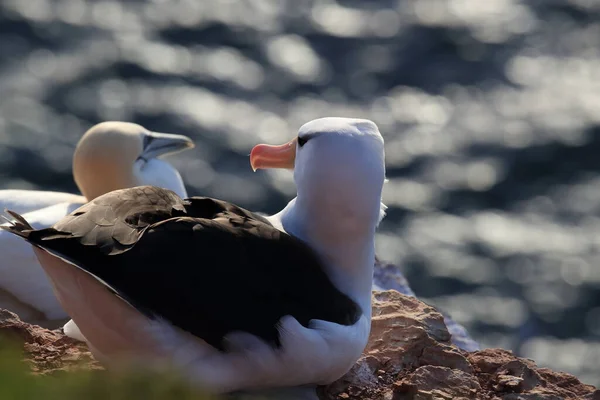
(265, 156)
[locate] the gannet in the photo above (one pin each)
(233, 300)
(109, 156)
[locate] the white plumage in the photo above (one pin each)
(110, 156)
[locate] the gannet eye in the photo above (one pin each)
(302, 140)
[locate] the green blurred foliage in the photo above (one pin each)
(17, 383)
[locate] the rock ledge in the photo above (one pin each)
(410, 355)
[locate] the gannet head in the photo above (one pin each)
(115, 155)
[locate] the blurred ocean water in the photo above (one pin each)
(490, 111)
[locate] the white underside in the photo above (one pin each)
(24, 201)
(319, 354)
(21, 275)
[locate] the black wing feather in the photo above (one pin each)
(205, 265)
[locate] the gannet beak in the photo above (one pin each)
(158, 144)
(268, 156)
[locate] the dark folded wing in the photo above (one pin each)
(212, 269)
(113, 223)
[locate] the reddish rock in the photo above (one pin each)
(388, 276)
(48, 352)
(519, 378)
(430, 382)
(410, 356)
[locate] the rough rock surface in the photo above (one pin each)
(410, 356)
(47, 351)
(388, 276)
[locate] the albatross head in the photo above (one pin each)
(115, 155)
(339, 171)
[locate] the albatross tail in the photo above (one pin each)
(22, 228)
(19, 226)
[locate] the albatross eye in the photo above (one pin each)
(302, 140)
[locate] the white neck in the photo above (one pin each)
(348, 257)
(159, 173)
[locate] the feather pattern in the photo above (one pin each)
(171, 258)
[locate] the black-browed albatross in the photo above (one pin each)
(234, 300)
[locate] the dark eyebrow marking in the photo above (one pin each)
(304, 138)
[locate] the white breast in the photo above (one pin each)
(159, 173)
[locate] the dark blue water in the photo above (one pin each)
(490, 111)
